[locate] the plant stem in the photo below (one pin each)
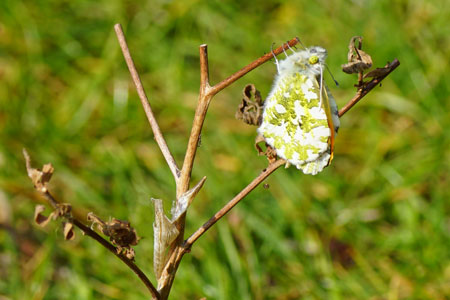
(91, 233)
(227, 207)
(146, 104)
(367, 88)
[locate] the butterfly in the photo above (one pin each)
(300, 118)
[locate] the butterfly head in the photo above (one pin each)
(309, 61)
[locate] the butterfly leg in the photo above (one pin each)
(290, 48)
(275, 57)
(284, 51)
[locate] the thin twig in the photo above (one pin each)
(227, 207)
(367, 88)
(226, 82)
(204, 99)
(146, 104)
(91, 233)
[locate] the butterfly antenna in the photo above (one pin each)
(331, 74)
(275, 57)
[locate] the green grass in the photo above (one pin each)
(373, 225)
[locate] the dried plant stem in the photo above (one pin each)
(224, 210)
(266, 57)
(367, 88)
(179, 252)
(200, 113)
(146, 104)
(129, 263)
(91, 233)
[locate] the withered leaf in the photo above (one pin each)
(63, 210)
(358, 60)
(270, 153)
(39, 218)
(69, 234)
(260, 139)
(120, 232)
(38, 177)
(181, 204)
(164, 233)
(250, 111)
(129, 253)
(379, 72)
(101, 226)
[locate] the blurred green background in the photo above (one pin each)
(373, 225)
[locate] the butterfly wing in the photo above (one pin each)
(330, 109)
(294, 123)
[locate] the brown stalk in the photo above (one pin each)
(366, 88)
(232, 203)
(146, 104)
(91, 233)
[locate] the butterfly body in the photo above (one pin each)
(300, 116)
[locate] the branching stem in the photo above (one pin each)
(91, 233)
(366, 88)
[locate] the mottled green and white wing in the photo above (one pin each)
(330, 107)
(295, 124)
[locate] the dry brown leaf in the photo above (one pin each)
(38, 177)
(250, 111)
(129, 253)
(39, 218)
(379, 72)
(101, 226)
(358, 60)
(270, 153)
(120, 232)
(62, 210)
(260, 139)
(181, 205)
(69, 234)
(164, 233)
